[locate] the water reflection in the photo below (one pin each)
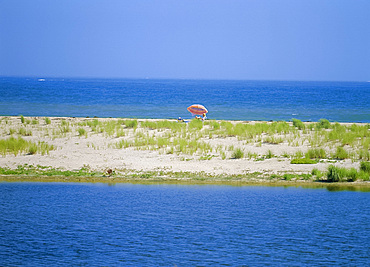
(358, 187)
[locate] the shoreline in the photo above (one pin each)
(164, 149)
(355, 186)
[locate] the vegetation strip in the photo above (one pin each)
(334, 174)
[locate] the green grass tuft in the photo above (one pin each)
(195, 125)
(339, 174)
(323, 123)
(130, 123)
(269, 154)
(237, 154)
(317, 173)
(352, 175)
(341, 153)
(288, 177)
(18, 145)
(336, 174)
(299, 124)
(303, 161)
(316, 153)
(81, 131)
(48, 171)
(365, 166)
(24, 132)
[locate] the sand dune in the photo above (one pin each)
(93, 143)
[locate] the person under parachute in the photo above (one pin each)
(197, 109)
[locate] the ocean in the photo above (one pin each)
(67, 224)
(168, 99)
(59, 224)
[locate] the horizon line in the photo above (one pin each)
(162, 78)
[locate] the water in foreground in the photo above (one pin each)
(167, 225)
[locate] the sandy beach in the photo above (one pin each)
(98, 144)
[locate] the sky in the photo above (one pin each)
(311, 40)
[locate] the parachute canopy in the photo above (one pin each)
(197, 109)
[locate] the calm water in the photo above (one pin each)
(234, 100)
(167, 225)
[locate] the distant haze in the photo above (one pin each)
(210, 39)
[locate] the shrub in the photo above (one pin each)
(22, 119)
(237, 154)
(299, 124)
(47, 121)
(303, 161)
(365, 166)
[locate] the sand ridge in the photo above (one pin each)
(97, 150)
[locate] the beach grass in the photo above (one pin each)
(48, 171)
(324, 140)
(82, 132)
(303, 161)
(19, 145)
(340, 174)
(24, 132)
(237, 154)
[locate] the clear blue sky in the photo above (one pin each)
(213, 39)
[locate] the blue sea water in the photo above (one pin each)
(225, 99)
(66, 224)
